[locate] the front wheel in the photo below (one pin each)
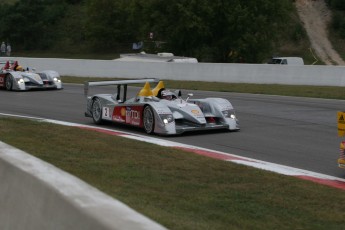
(96, 111)
(149, 120)
(9, 82)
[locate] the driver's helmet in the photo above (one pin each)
(167, 95)
(19, 68)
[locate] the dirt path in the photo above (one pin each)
(315, 16)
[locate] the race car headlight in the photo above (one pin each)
(229, 114)
(56, 79)
(167, 118)
(21, 81)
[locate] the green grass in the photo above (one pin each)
(329, 92)
(179, 189)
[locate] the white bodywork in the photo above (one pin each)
(29, 79)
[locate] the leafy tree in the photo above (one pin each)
(338, 18)
(226, 30)
(31, 23)
(71, 31)
(214, 31)
(109, 23)
(182, 24)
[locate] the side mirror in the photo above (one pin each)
(189, 95)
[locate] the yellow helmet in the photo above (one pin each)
(19, 68)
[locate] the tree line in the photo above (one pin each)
(214, 31)
(338, 18)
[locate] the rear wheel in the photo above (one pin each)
(8, 82)
(149, 120)
(96, 111)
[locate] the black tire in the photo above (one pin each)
(9, 82)
(96, 111)
(148, 120)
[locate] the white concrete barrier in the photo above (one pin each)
(320, 75)
(36, 195)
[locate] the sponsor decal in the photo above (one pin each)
(128, 114)
(163, 111)
(196, 112)
(123, 112)
(133, 116)
(119, 114)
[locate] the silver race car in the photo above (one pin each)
(14, 77)
(159, 110)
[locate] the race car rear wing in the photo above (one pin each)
(118, 83)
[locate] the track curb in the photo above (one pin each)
(319, 178)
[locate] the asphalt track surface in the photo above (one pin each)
(292, 131)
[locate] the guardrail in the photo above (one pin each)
(36, 195)
(318, 75)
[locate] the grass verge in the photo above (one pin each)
(178, 189)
